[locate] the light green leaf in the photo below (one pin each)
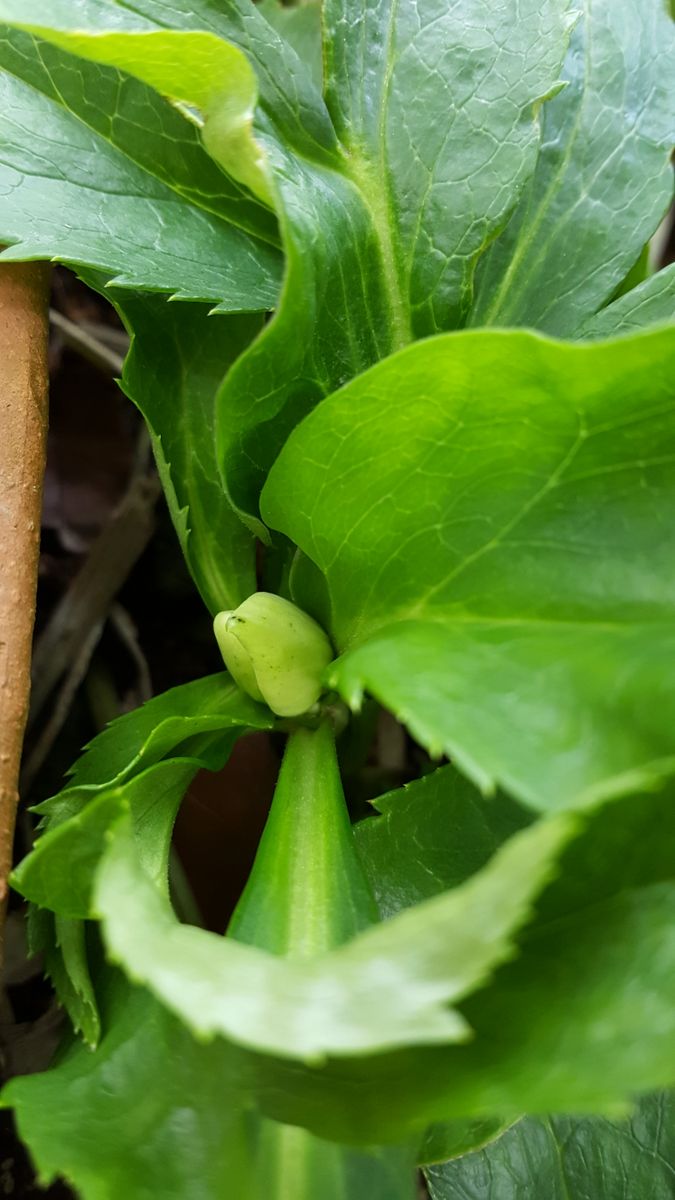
(490, 518)
(389, 986)
(437, 106)
(431, 835)
(563, 1158)
(603, 179)
(581, 1020)
(179, 356)
(136, 197)
(651, 303)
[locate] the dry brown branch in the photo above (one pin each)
(24, 291)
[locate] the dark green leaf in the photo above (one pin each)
(450, 1139)
(136, 197)
(301, 28)
(178, 359)
(432, 835)
(651, 303)
(490, 518)
(437, 106)
(603, 179)
(561, 1158)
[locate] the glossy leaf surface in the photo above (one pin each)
(566, 1159)
(431, 835)
(518, 611)
(603, 180)
(142, 200)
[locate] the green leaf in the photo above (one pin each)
(58, 874)
(198, 71)
(151, 1112)
(301, 28)
(431, 835)
(603, 179)
(579, 1021)
(137, 198)
(155, 1109)
(437, 106)
(289, 99)
(389, 986)
(347, 298)
(307, 892)
(179, 356)
(564, 1158)
(140, 738)
(450, 1139)
(517, 610)
(62, 943)
(651, 303)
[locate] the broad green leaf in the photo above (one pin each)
(437, 106)
(563, 1158)
(179, 356)
(431, 835)
(156, 1112)
(603, 179)
(347, 299)
(651, 303)
(391, 985)
(136, 197)
(490, 519)
(580, 1020)
(151, 1112)
(307, 891)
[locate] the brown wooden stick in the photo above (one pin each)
(24, 293)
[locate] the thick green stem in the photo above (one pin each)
(307, 891)
(306, 894)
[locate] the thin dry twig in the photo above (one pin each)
(24, 289)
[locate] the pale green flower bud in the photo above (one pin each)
(275, 652)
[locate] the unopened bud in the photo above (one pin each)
(275, 652)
